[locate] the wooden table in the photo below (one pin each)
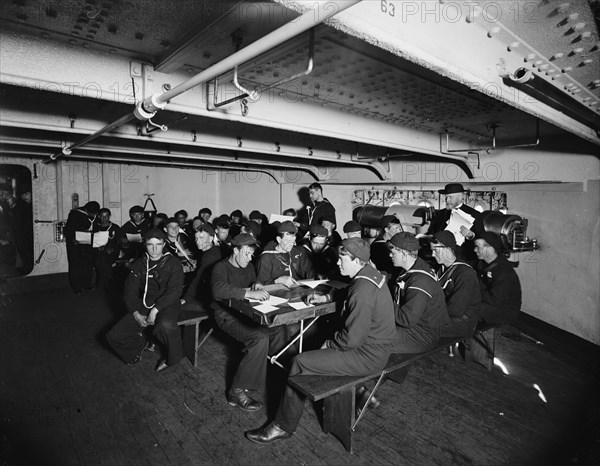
(285, 314)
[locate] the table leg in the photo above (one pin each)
(300, 335)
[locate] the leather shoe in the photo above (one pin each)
(161, 365)
(239, 397)
(267, 434)
(150, 347)
(362, 395)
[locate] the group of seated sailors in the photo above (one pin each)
(395, 301)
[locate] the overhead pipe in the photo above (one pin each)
(303, 23)
(67, 150)
(194, 163)
(149, 106)
(525, 80)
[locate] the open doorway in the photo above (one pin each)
(16, 221)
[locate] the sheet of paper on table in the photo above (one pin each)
(272, 301)
(264, 308)
(299, 305)
(311, 283)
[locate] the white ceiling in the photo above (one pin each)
(355, 77)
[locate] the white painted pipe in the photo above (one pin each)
(303, 23)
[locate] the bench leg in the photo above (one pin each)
(338, 416)
(190, 341)
(482, 348)
(380, 380)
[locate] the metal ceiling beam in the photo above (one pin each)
(190, 46)
(470, 52)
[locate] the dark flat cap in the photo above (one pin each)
(444, 238)
(406, 241)
(255, 214)
(358, 247)
(223, 221)
(208, 228)
(493, 239)
(136, 209)
(243, 239)
(318, 230)
(287, 227)
(352, 226)
(155, 233)
(254, 227)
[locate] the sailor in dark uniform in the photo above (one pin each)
(281, 261)
(380, 253)
(361, 347)
(198, 294)
(420, 305)
(235, 278)
(318, 208)
(152, 292)
(105, 256)
(137, 225)
(80, 256)
(205, 213)
(500, 285)
(322, 256)
(460, 284)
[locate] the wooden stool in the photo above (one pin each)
(190, 320)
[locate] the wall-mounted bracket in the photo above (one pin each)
(254, 95)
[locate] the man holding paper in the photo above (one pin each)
(461, 220)
(130, 236)
(79, 246)
(106, 250)
(233, 278)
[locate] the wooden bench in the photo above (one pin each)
(190, 321)
(338, 392)
(484, 336)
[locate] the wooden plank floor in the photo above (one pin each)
(66, 399)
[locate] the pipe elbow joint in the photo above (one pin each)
(141, 113)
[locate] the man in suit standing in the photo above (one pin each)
(454, 195)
